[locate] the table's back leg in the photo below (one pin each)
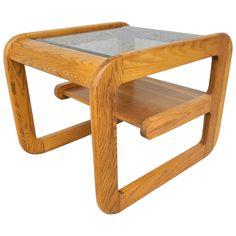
(217, 89)
(20, 99)
(18, 89)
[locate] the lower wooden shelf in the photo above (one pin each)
(139, 102)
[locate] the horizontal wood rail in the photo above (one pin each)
(157, 177)
(69, 30)
(77, 67)
(152, 60)
(66, 136)
(176, 116)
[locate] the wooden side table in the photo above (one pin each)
(107, 67)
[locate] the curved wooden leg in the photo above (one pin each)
(217, 89)
(20, 99)
(112, 200)
(103, 124)
(18, 89)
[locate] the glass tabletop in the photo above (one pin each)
(111, 42)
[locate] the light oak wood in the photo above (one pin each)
(157, 177)
(68, 64)
(109, 82)
(22, 49)
(75, 66)
(145, 100)
(217, 89)
(103, 113)
(152, 60)
(131, 66)
(69, 30)
(183, 113)
(24, 119)
(66, 136)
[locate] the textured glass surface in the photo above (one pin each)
(115, 41)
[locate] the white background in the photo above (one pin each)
(53, 193)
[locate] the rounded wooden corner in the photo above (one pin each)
(144, 129)
(60, 88)
(208, 149)
(32, 147)
(227, 38)
(9, 45)
(108, 210)
(110, 70)
(225, 44)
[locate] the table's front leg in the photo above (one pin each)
(104, 135)
(103, 122)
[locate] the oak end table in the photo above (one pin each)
(106, 66)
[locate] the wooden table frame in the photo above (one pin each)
(103, 77)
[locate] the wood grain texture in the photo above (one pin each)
(21, 50)
(103, 126)
(66, 136)
(157, 177)
(69, 30)
(139, 101)
(117, 78)
(75, 66)
(131, 66)
(217, 90)
(23, 116)
(68, 64)
(19, 94)
(60, 89)
(176, 116)
(141, 63)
